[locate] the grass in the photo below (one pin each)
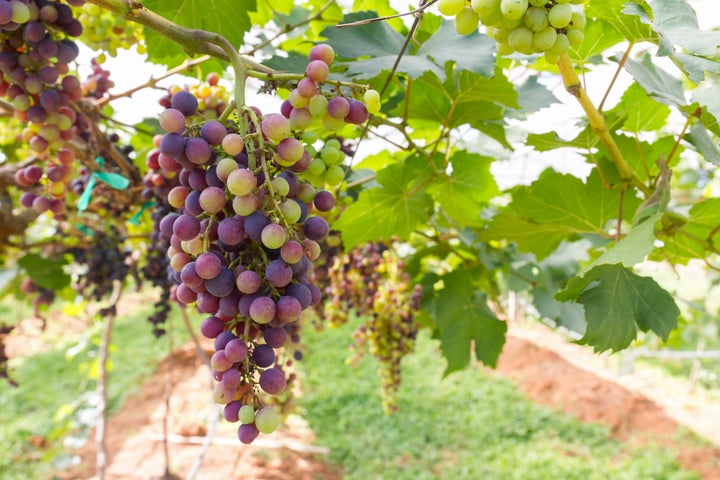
(56, 394)
(469, 425)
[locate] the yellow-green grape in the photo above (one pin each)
(509, 24)
(536, 18)
(504, 49)
(521, 40)
(372, 101)
(578, 20)
(501, 35)
(316, 167)
(466, 21)
(562, 1)
(485, 8)
(334, 175)
(575, 37)
(450, 8)
(544, 39)
(551, 57)
(102, 30)
(577, 2)
(513, 9)
(561, 45)
(560, 15)
(538, 3)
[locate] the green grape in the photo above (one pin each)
(371, 96)
(551, 57)
(560, 15)
(331, 155)
(466, 21)
(450, 8)
(309, 137)
(521, 40)
(317, 167)
(561, 44)
(485, 8)
(578, 20)
(538, 3)
(493, 19)
(501, 35)
(577, 2)
(513, 9)
(509, 24)
(504, 49)
(334, 175)
(562, 1)
(544, 39)
(536, 18)
(575, 37)
(318, 105)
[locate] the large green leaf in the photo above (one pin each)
(613, 13)
(699, 137)
(695, 236)
(556, 207)
(462, 193)
(464, 98)
(617, 303)
(599, 36)
(462, 318)
(45, 272)
(642, 112)
(394, 209)
(382, 44)
(657, 82)
(229, 18)
(676, 23)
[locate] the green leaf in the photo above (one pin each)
(45, 272)
(617, 303)
(534, 96)
(293, 63)
(464, 98)
(695, 236)
(265, 12)
(556, 207)
(707, 95)
(383, 44)
(612, 12)
(641, 111)
(676, 23)
(229, 18)
(462, 317)
(657, 82)
(393, 210)
(699, 137)
(462, 193)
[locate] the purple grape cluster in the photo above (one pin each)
(98, 83)
(241, 247)
(370, 280)
(105, 261)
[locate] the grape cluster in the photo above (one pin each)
(56, 180)
(105, 261)
(370, 280)
(525, 26)
(98, 83)
(102, 30)
(212, 97)
(241, 247)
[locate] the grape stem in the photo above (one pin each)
(597, 123)
(420, 9)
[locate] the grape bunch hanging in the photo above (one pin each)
(524, 26)
(370, 280)
(245, 235)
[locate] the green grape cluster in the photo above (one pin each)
(524, 26)
(104, 31)
(371, 281)
(325, 164)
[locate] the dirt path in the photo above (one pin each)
(549, 370)
(638, 407)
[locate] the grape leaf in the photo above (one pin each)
(657, 82)
(556, 207)
(642, 112)
(229, 18)
(265, 12)
(383, 44)
(462, 317)
(617, 303)
(613, 12)
(393, 210)
(599, 36)
(695, 236)
(676, 23)
(45, 272)
(462, 193)
(700, 138)
(464, 98)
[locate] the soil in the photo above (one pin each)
(636, 407)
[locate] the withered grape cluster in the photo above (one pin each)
(370, 280)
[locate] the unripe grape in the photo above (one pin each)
(513, 9)
(578, 20)
(521, 40)
(485, 8)
(575, 37)
(246, 414)
(317, 105)
(560, 15)
(544, 39)
(241, 182)
(466, 21)
(536, 18)
(273, 236)
(538, 3)
(267, 420)
(275, 127)
(450, 8)
(561, 44)
(233, 144)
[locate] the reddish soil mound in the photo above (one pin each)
(551, 380)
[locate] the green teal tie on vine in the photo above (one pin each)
(115, 180)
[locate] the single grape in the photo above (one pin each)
(275, 127)
(450, 8)
(575, 37)
(322, 52)
(544, 39)
(275, 337)
(273, 236)
(317, 105)
(272, 381)
(560, 15)
(263, 356)
(536, 18)
(513, 9)
(338, 107)
(247, 433)
(236, 350)
(267, 420)
(466, 21)
(317, 70)
(521, 40)
(246, 414)
(262, 310)
(233, 144)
